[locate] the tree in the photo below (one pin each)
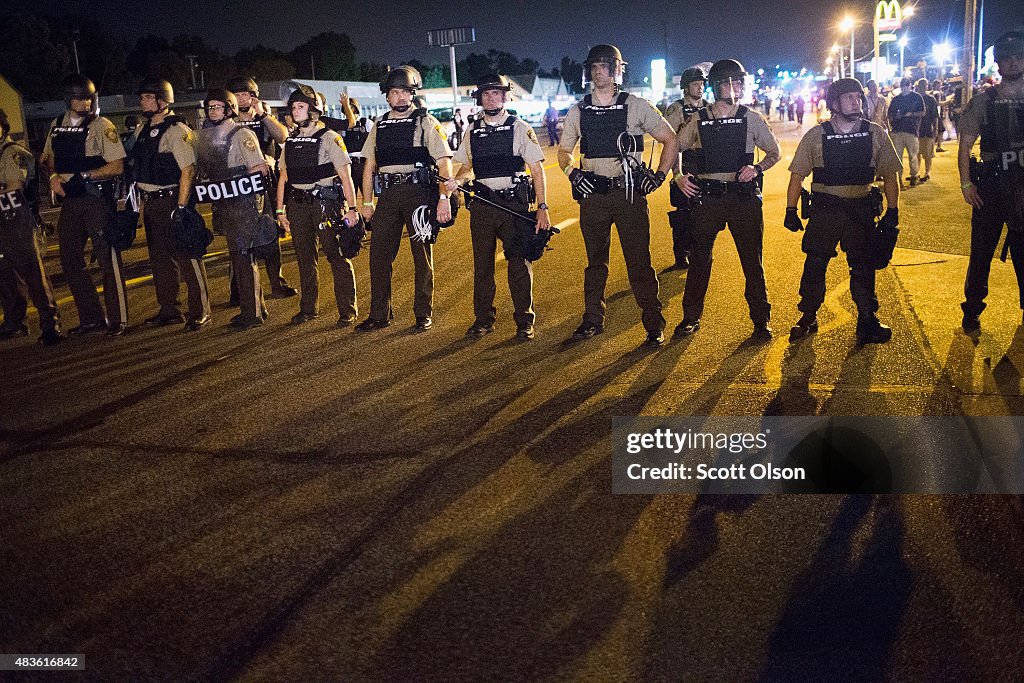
(572, 73)
(33, 61)
(332, 54)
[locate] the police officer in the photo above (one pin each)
(313, 163)
(845, 154)
(83, 154)
(994, 188)
(611, 187)
(355, 138)
(227, 155)
(256, 116)
(718, 164)
(19, 249)
(677, 115)
(496, 150)
(402, 151)
(164, 165)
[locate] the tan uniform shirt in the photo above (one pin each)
(16, 166)
(245, 149)
(524, 144)
(675, 115)
(641, 117)
(332, 150)
(430, 133)
(759, 136)
(102, 140)
(178, 141)
(809, 156)
(976, 115)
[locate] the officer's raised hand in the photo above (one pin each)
(971, 195)
(793, 222)
(687, 184)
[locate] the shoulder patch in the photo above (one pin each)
(440, 132)
(531, 135)
(340, 141)
(249, 142)
(111, 134)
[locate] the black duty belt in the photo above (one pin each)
(148, 195)
(721, 188)
(302, 196)
(391, 179)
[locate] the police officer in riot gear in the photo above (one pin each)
(271, 133)
(495, 151)
(845, 155)
(404, 152)
(20, 260)
(611, 186)
(164, 166)
(84, 155)
(355, 137)
(718, 165)
(228, 155)
(678, 114)
(994, 187)
(315, 168)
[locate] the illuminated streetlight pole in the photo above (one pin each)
(903, 46)
(848, 24)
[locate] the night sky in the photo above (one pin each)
(390, 32)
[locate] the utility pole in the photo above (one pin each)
(75, 35)
(967, 68)
(192, 69)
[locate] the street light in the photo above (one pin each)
(842, 64)
(942, 52)
(903, 46)
(849, 24)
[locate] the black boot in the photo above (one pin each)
(807, 325)
(871, 331)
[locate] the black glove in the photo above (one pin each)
(889, 221)
(793, 222)
(582, 181)
(178, 215)
(650, 182)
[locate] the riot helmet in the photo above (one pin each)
(694, 73)
(404, 77)
(842, 87)
(79, 87)
(304, 93)
(161, 90)
(225, 96)
(244, 84)
(490, 82)
(604, 54)
(724, 74)
(1010, 44)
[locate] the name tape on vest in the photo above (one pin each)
(242, 186)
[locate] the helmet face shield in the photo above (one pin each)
(730, 89)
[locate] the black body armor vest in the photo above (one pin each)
(600, 128)
(148, 163)
(723, 144)
(847, 156)
(492, 149)
(301, 158)
(395, 141)
(68, 143)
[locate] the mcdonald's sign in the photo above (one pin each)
(888, 15)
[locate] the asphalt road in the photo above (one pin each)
(306, 503)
